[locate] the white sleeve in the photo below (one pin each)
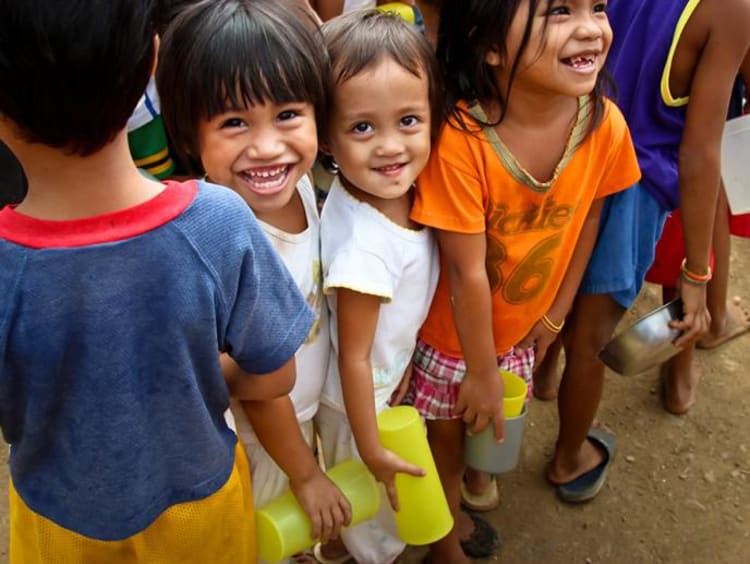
(359, 270)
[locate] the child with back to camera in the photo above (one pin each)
(250, 122)
(380, 268)
(513, 189)
(117, 294)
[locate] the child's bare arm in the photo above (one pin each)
(275, 424)
(357, 321)
(266, 404)
(245, 386)
(699, 158)
(481, 393)
(540, 334)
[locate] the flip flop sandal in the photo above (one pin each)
(488, 500)
(484, 540)
(320, 557)
(587, 485)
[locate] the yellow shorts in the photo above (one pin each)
(217, 529)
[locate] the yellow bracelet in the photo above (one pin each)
(549, 324)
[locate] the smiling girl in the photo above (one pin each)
(513, 190)
(243, 84)
(380, 268)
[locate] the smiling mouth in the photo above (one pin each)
(391, 169)
(581, 62)
(265, 180)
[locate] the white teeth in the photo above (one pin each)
(268, 173)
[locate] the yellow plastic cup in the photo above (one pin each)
(424, 516)
(515, 390)
(282, 528)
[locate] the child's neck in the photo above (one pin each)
(532, 121)
(290, 219)
(395, 209)
(65, 186)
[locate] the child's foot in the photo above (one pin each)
(679, 388)
(735, 323)
(477, 537)
(479, 491)
(590, 456)
(333, 552)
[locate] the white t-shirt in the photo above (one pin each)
(301, 255)
(365, 251)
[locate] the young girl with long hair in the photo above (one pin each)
(513, 190)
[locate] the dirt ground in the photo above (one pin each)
(678, 491)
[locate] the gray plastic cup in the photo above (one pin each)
(481, 452)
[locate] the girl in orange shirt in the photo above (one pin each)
(513, 189)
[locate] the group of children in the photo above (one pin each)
(143, 322)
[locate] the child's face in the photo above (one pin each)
(566, 57)
(260, 151)
(380, 129)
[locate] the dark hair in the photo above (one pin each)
(360, 39)
(72, 72)
(221, 54)
(468, 31)
(168, 10)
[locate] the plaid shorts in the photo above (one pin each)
(437, 378)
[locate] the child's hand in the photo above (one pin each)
(403, 386)
(540, 337)
(324, 503)
(696, 319)
(480, 400)
(384, 465)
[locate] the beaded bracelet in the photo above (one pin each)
(549, 324)
(693, 278)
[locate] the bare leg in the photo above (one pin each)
(716, 292)
(446, 440)
(588, 328)
(679, 376)
(545, 375)
(728, 319)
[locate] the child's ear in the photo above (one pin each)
(493, 57)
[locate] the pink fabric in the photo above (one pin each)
(437, 378)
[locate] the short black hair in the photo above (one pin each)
(358, 40)
(228, 54)
(72, 72)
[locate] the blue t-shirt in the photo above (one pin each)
(111, 393)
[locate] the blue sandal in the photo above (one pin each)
(587, 485)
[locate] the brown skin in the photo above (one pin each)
(266, 404)
(706, 61)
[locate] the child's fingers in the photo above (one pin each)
(498, 422)
(327, 526)
(390, 488)
(346, 511)
(316, 523)
(408, 468)
(480, 421)
(338, 520)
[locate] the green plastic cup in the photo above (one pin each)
(282, 528)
